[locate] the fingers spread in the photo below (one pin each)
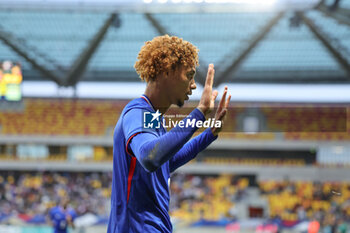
(214, 95)
(222, 108)
(210, 76)
(223, 98)
(222, 114)
(227, 101)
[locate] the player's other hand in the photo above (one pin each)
(221, 111)
(206, 104)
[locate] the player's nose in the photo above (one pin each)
(193, 85)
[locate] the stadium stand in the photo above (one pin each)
(61, 42)
(237, 32)
(27, 196)
(277, 167)
(52, 31)
(340, 33)
(98, 117)
(65, 117)
(295, 201)
(123, 41)
(291, 202)
(196, 199)
(307, 54)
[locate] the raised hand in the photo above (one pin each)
(221, 111)
(206, 104)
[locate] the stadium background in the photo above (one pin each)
(282, 163)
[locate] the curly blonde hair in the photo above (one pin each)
(164, 53)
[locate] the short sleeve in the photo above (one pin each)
(133, 125)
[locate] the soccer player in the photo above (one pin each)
(62, 216)
(144, 157)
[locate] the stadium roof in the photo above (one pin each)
(68, 46)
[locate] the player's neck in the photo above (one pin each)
(157, 96)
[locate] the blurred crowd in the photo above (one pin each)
(327, 203)
(27, 196)
(212, 198)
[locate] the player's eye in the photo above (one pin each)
(190, 75)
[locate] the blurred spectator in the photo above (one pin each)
(314, 226)
(62, 216)
(28, 194)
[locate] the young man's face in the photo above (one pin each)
(64, 202)
(180, 85)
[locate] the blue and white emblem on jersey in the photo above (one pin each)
(151, 120)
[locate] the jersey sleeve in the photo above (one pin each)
(190, 150)
(152, 151)
(133, 125)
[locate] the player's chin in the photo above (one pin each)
(180, 103)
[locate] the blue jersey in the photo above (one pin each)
(59, 218)
(140, 197)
